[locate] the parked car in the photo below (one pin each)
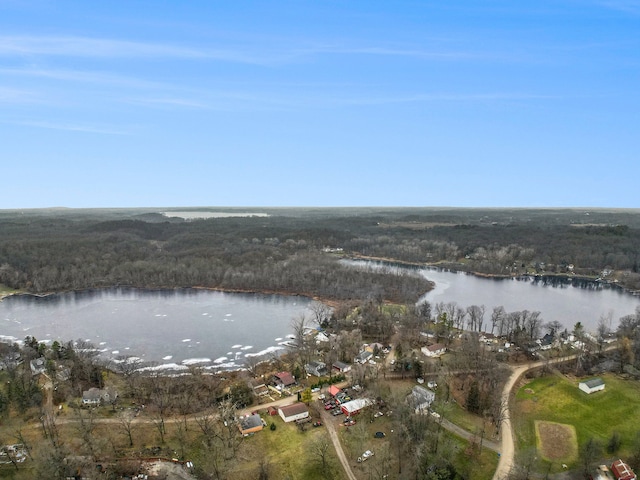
(365, 456)
(379, 435)
(348, 422)
(336, 412)
(317, 424)
(432, 384)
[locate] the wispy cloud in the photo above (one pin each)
(11, 95)
(72, 127)
(105, 78)
(628, 6)
(73, 46)
(258, 54)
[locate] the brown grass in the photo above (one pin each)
(556, 441)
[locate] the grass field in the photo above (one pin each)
(599, 415)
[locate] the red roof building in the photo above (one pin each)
(622, 471)
(285, 379)
(333, 390)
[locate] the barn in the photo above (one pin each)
(622, 471)
(591, 385)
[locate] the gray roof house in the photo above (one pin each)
(38, 366)
(318, 369)
(95, 396)
(421, 398)
(363, 357)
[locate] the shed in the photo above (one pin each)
(622, 471)
(291, 413)
(250, 424)
(341, 367)
(354, 406)
(591, 385)
(333, 390)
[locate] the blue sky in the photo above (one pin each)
(323, 103)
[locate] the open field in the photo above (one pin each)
(598, 416)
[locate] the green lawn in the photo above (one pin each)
(556, 399)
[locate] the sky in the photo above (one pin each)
(320, 103)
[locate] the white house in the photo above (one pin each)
(291, 413)
(434, 350)
(421, 398)
(591, 385)
(354, 406)
(95, 396)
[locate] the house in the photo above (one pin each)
(38, 366)
(341, 367)
(622, 471)
(591, 385)
(95, 396)
(373, 347)
(321, 337)
(319, 369)
(250, 424)
(333, 390)
(258, 387)
(421, 398)
(284, 379)
(292, 413)
(354, 406)
(434, 350)
(546, 342)
(363, 357)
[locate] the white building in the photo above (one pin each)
(591, 385)
(294, 412)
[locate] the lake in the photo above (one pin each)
(175, 328)
(565, 303)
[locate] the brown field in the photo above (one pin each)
(556, 441)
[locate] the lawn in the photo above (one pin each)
(599, 415)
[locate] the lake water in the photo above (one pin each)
(180, 327)
(172, 327)
(565, 303)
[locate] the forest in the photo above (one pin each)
(297, 250)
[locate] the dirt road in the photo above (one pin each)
(331, 428)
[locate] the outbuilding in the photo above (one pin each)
(292, 413)
(591, 385)
(341, 367)
(622, 471)
(354, 406)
